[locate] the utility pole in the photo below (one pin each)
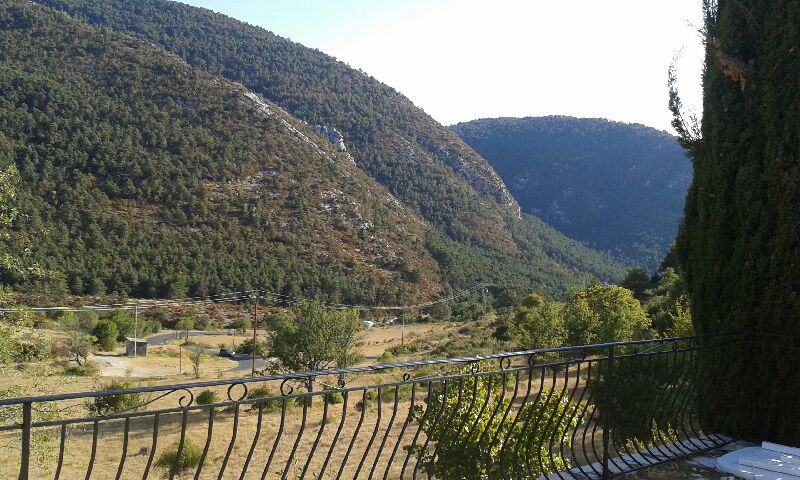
(135, 327)
(403, 329)
(255, 322)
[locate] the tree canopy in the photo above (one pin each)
(315, 338)
(740, 242)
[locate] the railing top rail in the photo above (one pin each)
(344, 371)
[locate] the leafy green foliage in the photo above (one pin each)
(668, 305)
(617, 187)
(605, 313)
(242, 324)
(246, 347)
(316, 338)
(185, 324)
(630, 411)
(207, 397)
(539, 326)
(106, 333)
(189, 458)
(473, 441)
(739, 241)
(114, 403)
(197, 356)
(638, 281)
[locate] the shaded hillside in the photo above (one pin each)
(425, 165)
(615, 186)
(145, 176)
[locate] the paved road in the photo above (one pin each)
(244, 362)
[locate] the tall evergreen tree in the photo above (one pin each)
(740, 242)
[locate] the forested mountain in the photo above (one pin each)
(615, 186)
(477, 232)
(142, 175)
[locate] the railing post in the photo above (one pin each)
(607, 413)
(24, 465)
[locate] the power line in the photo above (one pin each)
(243, 295)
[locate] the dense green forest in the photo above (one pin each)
(423, 164)
(145, 176)
(617, 187)
(740, 244)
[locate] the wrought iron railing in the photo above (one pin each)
(574, 412)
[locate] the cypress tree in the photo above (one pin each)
(740, 242)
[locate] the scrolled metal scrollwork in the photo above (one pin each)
(531, 360)
(245, 390)
(504, 363)
(182, 402)
(286, 389)
(341, 382)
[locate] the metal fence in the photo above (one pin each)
(574, 412)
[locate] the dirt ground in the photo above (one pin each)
(378, 339)
(160, 362)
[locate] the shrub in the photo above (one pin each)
(369, 399)
(189, 458)
(106, 332)
(88, 369)
(386, 357)
(242, 324)
(466, 449)
(207, 397)
(334, 398)
(121, 402)
(246, 347)
(264, 392)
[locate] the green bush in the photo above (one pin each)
(106, 332)
(371, 398)
(207, 397)
(189, 458)
(88, 369)
(121, 402)
(246, 347)
(334, 398)
(466, 452)
(386, 357)
(268, 405)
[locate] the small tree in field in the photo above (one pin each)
(78, 346)
(196, 357)
(539, 326)
(185, 324)
(316, 338)
(242, 324)
(106, 333)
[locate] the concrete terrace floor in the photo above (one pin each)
(698, 467)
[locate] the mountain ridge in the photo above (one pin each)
(472, 236)
(618, 187)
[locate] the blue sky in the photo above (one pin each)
(465, 59)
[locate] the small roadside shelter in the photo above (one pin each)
(135, 347)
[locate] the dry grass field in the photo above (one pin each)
(367, 436)
(364, 445)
